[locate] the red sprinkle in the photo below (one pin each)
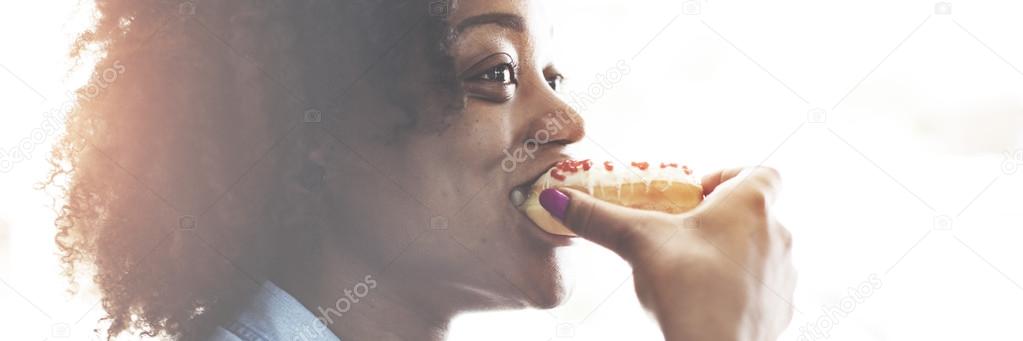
(556, 175)
(561, 169)
(572, 166)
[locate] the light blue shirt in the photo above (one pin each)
(273, 314)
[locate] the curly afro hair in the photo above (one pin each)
(182, 157)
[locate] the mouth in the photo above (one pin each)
(520, 193)
(518, 197)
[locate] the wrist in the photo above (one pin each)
(705, 325)
(702, 333)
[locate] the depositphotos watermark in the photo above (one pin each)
(54, 119)
(596, 90)
(317, 329)
(556, 121)
(832, 315)
(1012, 161)
(560, 118)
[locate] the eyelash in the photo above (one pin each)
(511, 69)
(512, 72)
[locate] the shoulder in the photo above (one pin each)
(273, 314)
(221, 334)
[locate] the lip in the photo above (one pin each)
(528, 183)
(536, 231)
(526, 186)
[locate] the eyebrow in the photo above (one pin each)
(507, 20)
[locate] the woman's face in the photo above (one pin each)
(432, 208)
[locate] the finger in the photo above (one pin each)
(712, 180)
(756, 185)
(612, 226)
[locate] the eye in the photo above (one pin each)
(503, 74)
(494, 79)
(555, 82)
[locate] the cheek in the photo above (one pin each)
(453, 173)
(458, 171)
(483, 134)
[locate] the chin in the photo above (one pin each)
(524, 267)
(551, 298)
(540, 269)
(534, 293)
(547, 288)
(530, 285)
(536, 296)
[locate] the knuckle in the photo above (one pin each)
(769, 174)
(786, 237)
(581, 217)
(757, 201)
(630, 238)
(767, 178)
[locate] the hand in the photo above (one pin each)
(719, 272)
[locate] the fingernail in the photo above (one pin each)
(554, 202)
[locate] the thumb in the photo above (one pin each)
(609, 225)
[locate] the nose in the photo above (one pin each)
(552, 120)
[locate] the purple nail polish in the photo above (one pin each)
(554, 202)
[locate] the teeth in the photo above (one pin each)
(517, 197)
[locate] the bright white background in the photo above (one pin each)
(893, 123)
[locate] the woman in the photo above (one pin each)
(322, 170)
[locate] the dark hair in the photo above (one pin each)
(180, 170)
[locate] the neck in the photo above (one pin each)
(359, 302)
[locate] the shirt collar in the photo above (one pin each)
(273, 314)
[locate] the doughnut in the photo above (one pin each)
(665, 187)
